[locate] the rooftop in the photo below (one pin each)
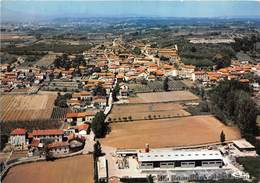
(18, 131)
(242, 143)
(178, 155)
(47, 132)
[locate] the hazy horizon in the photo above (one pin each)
(22, 10)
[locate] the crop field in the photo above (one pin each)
(130, 112)
(26, 107)
(12, 37)
(173, 96)
(77, 169)
(175, 132)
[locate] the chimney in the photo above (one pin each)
(147, 148)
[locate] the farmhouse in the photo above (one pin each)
(83, 95)
(80, 117)
(52, 134)
(167, 159)
(59, 148)
(80, 129)
(18, 138)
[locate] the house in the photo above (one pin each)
(35, 147)
(18, 138)
(80, 117)
(123, 92)
(83, 95)
(51, 134)
(99, 102)
(199, 76)
(58, 148)
(186, 71)
(80, 129)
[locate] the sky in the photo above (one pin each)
(46, 9)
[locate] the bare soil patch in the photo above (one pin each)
(185, 131)
(173, 96)
(77, 169)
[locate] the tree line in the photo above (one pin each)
(232, 103)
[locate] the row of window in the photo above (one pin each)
(169, 155)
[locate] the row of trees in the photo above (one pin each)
(231, 102)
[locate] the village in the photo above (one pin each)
(141, 93)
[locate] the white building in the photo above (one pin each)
(80, 117)
(18, 138)
(167, 159)
(59, 148)
(52, 134)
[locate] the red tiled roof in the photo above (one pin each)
(81, 127)
(80, 114)
(18, 131)
(35, 143)
(58, 144)
(47, 132)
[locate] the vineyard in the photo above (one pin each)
(26, 107)
(59, 113)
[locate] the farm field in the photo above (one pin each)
(185, 131)
(26, 107)
(146, 111)
(173, 96)
(77, 169)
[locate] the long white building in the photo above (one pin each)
(167, 159)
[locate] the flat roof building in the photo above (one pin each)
(180, 158)
(243, 145)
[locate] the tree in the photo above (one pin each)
(51, 76)
(99, 90)
(231, 101)
(165, 84)
(115, 92)
(150, 179)
(137, 51)
(98, 124)
(222, 137)
(246, 114)
(61, 100)
(193, 49)
(97, 149)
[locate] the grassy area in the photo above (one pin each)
(252, 166)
